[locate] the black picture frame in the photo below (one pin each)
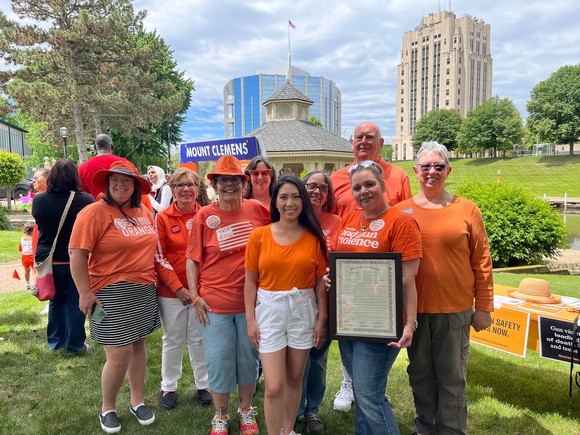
(364, 285)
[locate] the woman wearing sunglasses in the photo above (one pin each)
(262, 179)
(456, 270)
(215, 275)
(376, 227)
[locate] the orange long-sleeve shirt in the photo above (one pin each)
(456, 266)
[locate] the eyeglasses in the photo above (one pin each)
(255, 173)
(368, 137)
(181, 186)
(364, 164)
(439, 167)
(225, 180)
(311, 187)
(124, 180)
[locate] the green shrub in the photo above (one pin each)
(521, 227)
(4, 221)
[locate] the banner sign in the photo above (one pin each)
(556, 340)
(243, 148)
(508, 332)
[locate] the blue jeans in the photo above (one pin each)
(314, 381)
(368, 364)
(66, 322)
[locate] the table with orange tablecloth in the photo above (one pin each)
(508, 331)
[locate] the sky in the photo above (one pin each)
(356, 44)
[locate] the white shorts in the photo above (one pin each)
(286, 319)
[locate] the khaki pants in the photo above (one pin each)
(437, 372)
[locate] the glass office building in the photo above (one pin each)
(244, 97)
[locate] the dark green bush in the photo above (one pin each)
(521, 227)
(4, 221)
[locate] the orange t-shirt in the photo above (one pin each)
(120, 251)
(396, 181)
(330, 224)
(456, 265)
(283, 267)
(218, 242)
(392, 231)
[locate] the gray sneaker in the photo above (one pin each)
(143, 415)
(110, 422)
(314, 423)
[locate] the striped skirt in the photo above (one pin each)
(132, 314)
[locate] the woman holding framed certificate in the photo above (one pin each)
(377, 228)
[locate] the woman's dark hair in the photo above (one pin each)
(330, 198)
(251, 166)
(202, 197)
(306, 218)
(63, 177)
(134, 201)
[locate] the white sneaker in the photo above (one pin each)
(344, 397)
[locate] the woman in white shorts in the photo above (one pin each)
(288, 258)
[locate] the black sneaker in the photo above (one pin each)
(168, 401)
(110, 422)
(314, 423)
(204, 397)
(143, 415)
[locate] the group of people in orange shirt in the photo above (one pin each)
(241, 280)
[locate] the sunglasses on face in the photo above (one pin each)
(255, 173)
(364, 164)
(425, 167)
(225, 180)
(311, 187)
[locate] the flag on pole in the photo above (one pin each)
(15, 274)
(290, 24)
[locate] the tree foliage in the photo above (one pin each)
(12, 171)
(554, 107)
(521, 227)
(313, 119)
(90, 64)
(495, 124)
(438, 125)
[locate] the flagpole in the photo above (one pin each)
(289, 74)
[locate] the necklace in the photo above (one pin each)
(131, 220)
(364, 227)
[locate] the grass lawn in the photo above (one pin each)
(46, 393)
(552, 176)
(9, 241)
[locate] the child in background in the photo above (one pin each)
(25, 247)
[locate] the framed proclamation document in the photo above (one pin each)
(366, 296)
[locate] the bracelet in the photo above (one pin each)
(414, 328)
(414, 320)
(195, 300)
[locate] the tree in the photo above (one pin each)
(313, 119)
(12, 170)
(521, 227)
(438, 125)
(152, 143)
(495, 124)
(86, 63)
(554, 107)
